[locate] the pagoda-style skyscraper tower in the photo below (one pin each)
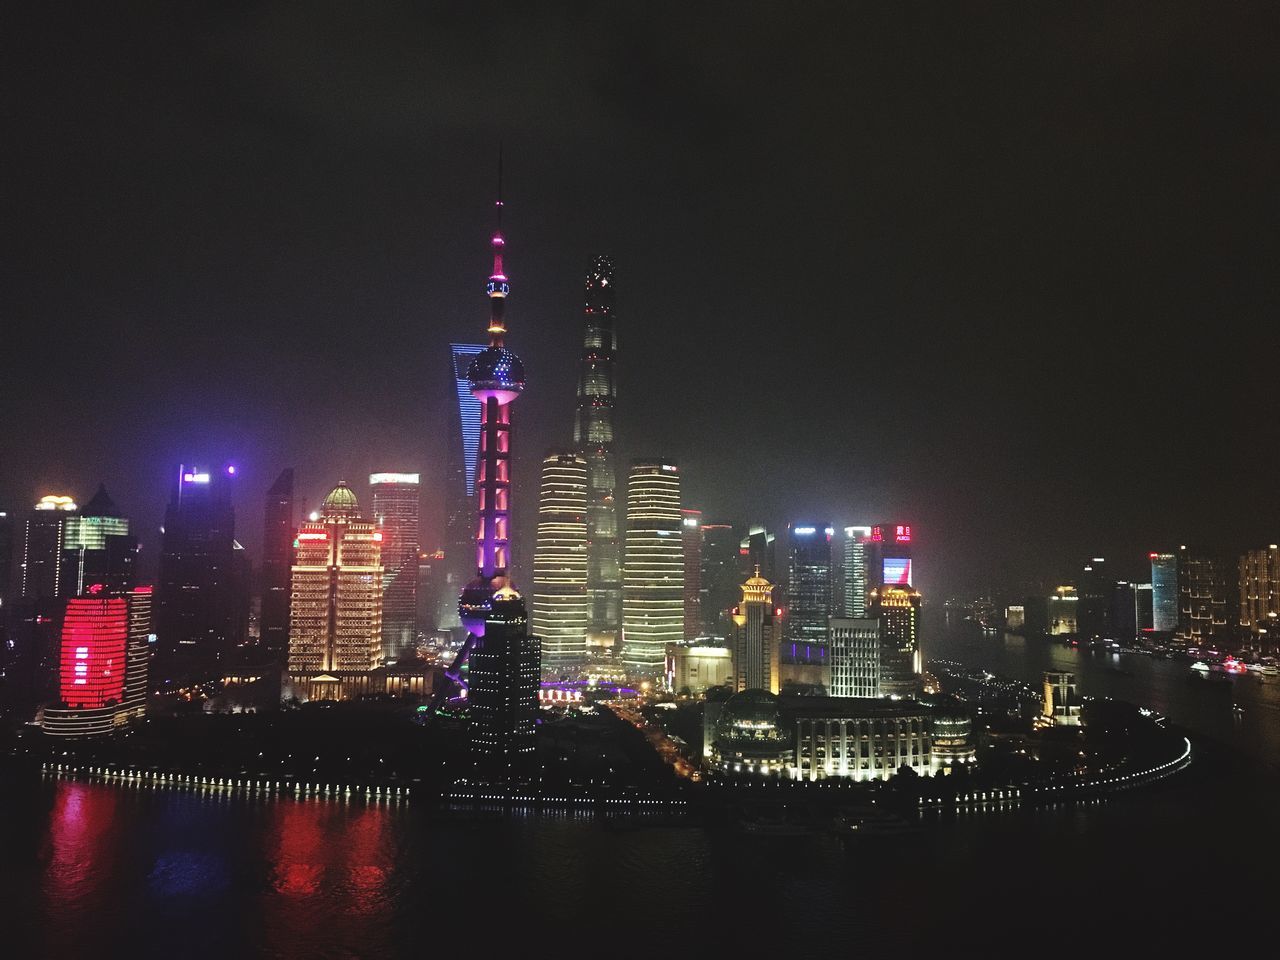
(593, 437)
(504, 660)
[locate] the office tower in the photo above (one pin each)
(43, 537)
(1259, 585)
(653, 577)
(1064, 612)
(691, 543)
(808, 604)
(720, 577)
(202, 598)
(460, 485)
(757, 638)
(1202, 606)
(1164, 592)
(277, 567)
(855, 657)
(561, 605)
(898, 612)
(692, 669)
(1061, 705)
(102, 676)
(395, 511)
(1123, 612)
(889, 556)
(97, 548)
(335, 613)
(1094, 617)
(593, 435)
(500, 654)
(1142, 608)
(857, 543)
(759, 549)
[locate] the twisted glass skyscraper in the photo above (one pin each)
(593, 437)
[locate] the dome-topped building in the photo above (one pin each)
(750, 735)
(341, 502)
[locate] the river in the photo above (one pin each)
(91, 870)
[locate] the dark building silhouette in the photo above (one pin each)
(805, 654)
(721, 581)
(202, 596)
(594, 436)
(1094, 617)
(279, 529)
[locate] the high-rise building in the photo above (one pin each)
(277, 567)
(691, 543)
(44, 536)
(1202, 598)
(458, 564)
(1064, 612)
(1142, 608)
(898, 612)
(855, 657)
(561, 605)
(6, 561)
(720, 577)
(1094, 617)
(102, 677)
(653, 577)
(593, 435)
(857, 543)
(889, 556)
(1123, 612)
(335, 612)
(501, 656)
(395, 511)
(97, 548)
(202, 598)
(757, 638)
(1164, 592)
(805, 655)
(1259, 583)
(759, 548)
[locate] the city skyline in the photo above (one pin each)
(1043, 240)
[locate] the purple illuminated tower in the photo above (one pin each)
(502, 660)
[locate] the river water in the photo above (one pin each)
(89, 870)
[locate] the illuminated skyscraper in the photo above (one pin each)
(277, 565)
(1259, 580)
(805, 655)
(898, 611)
(1202, 598)
(889, 556)
(1164, 592)
(102, 677)
(44, 536)
(97, 548)
(460, 484)
(855, 657)
(202, 598)
(857, 542)
(593, 435)
(757, 638)
(395, 511)
(501, 656)
(335, 612)
(691, 542)
(653, 577)
(561, 606)
(759, 548)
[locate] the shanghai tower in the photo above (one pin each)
(594, 438)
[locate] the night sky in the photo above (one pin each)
(1004, 270)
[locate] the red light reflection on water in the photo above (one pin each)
(79, 854)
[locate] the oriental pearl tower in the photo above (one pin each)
(502, 660)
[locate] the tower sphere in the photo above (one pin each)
(496, 372)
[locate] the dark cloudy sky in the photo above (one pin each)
(1006, 270)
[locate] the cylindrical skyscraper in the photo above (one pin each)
(560, 603)
(653, 584)
(593, 436)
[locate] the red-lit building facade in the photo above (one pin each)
(102, 669)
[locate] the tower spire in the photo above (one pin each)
(497, 288)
